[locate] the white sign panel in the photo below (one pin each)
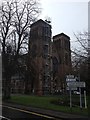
(72, 88)
(70, 76)
(70, 80)
(76, 84)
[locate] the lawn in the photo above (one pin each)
(48, 102)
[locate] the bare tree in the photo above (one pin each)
(80, 52)
(6, 14)
(15, 20)
(80, 56)
(24, 16)
(81, 48)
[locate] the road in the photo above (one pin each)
(12, 113)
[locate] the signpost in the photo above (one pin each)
(72, 84)
(85, 99)
(70, 79)
(70, 98)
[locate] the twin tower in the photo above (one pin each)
(50, 57)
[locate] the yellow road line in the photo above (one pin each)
(37, 114)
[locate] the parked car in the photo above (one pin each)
(76, 92)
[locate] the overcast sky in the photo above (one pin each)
(66, 16)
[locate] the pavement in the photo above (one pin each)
(56, 114)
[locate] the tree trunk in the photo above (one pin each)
(7, 88)
(26, 83)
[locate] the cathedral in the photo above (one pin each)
(50, 58)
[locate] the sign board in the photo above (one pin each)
(70, 76)
(70, 80)
(76, 84)
(72, 88)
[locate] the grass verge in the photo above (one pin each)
(45, 102)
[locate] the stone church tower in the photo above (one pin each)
(40, 52)
(61, 57)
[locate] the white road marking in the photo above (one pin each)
(4, 117)
(41, 115)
